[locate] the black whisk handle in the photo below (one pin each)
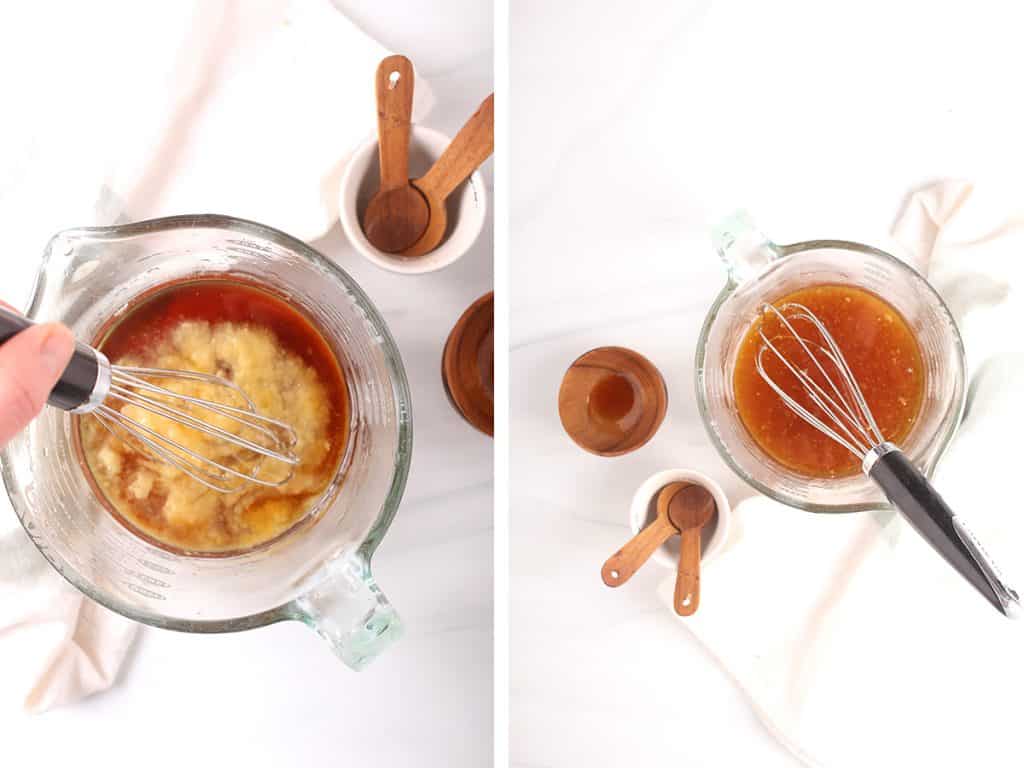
(85, 381)
(911, 493)
(11, 325)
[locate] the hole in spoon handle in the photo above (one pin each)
(687, 594)
(618, 568)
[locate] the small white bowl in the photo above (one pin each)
(467, 205)
(642, 511)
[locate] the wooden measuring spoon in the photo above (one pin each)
(689, 511)
(623, 564)
(398, 215)
(473, 144)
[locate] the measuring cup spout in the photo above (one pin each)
(743, 247)
(349, 611)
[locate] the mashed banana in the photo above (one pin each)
(168, 505)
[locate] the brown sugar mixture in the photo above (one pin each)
(879, 348)
(275, 355)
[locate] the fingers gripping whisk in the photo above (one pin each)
(218, 439)
(203, 425)
(828, 395)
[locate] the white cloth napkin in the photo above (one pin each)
(121, 111)
(857, 645)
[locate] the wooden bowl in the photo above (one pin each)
(612, 401)
(467, 366)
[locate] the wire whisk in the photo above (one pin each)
(830, 399)
(253, 437)
(241, 440)
(843, 413)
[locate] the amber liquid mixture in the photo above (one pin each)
(879, 348)
(251, 337)
(612, 399)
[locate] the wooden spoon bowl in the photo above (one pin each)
(467, 364)
(395, 218)
(612, 401)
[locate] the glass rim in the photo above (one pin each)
(785, 251)
(393, 362)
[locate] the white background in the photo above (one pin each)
(277, 696)
(634, 128)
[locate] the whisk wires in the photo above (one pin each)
(841, 412)
(245, 438)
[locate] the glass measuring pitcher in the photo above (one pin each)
(319, 573)
(762, 271)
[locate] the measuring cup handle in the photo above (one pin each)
(743, 247)
(348, 610)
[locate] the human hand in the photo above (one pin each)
(30, 364)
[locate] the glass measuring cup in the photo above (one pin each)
(762, 271)
(320, 572)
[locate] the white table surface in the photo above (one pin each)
(634, 127)
(277, 696)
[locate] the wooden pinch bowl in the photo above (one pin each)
(467, 365)
(612, 401)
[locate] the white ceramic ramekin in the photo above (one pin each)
(467, 206)
(641, 513)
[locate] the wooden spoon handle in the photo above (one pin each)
(395, 83)
(473, 144)
(687, 595)
(624, 563)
